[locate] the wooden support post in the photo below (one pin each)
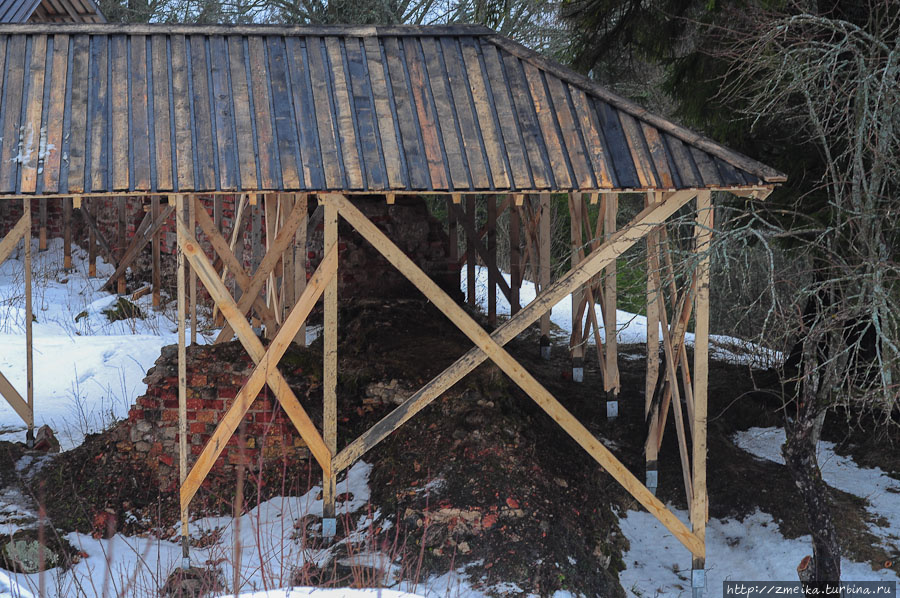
(182, 379)
(29, 349)
(42, 242)
(453, 236)
(192, 226)
(611, 380)
(544, 259)
(699, 502)
(329, 414)
(288, 298)
(576, 342)
(92, 241)
(651, 409)
(121, 241)
(155, 253)
(301, 203)
(255, 239)
(470, 251)
(515, 259)
(67, 233)
(492, 259)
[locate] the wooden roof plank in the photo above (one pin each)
(243, 123)
(687, 170)
(14, 87)
(285, 131)
(486, 121)
(553, 143)
(56, 113)
(184, 146)
(118, 120)
(417, 167)
(571, 135)
(302, 91)
(619, 153)
(440, 90)
(590, 129)
(204, 150)
(161, 113)
(527, 121)
(465, 113)
(78, 129)
(329, 140)
(425, 114)
(224, 124)
(707, 168)
(267, 148)
(140, 119)
(343, 107)
(364, 109)
(390, 146)
(32, 131)
(658, 155)
(98, 164)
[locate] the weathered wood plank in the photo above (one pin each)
(327, 128)
(240, 93)
(417, 167)
(306, 118)
(285, 131)
(98, 166)
(78, 126)
(465, 114)
(202, 116)
(330, 355)
(390, 147)
(493, 145)
(590, 129)
(184, 152)
(453, 144)
(495, 83)
(639, 156)
(527, 121)
(364, 110)
(427, 119)
(344, 114)
(118, 114)
(658, 155)
(161, 114)
(267, 150)
(14, 88)
(571, 140)
(55, 113)
(619, 153)
(31, 132)
(554, 145)
(140, 124)
(706, 167)
(222, 98)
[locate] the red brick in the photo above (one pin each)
(198, 428)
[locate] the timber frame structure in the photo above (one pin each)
(281, 115)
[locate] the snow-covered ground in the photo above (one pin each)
(88, 372)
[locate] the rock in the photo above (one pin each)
(45, 440)
(25, 556)
(193, 582)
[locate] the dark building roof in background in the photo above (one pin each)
(50, 11)
(116, 108)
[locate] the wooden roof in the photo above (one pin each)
(113, 108)
(50, 11)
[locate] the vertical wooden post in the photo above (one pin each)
(155, 249)
(29, 350)
(470, 251)
(192, 226)
(287, 280)
(255, 240)
(492, 258)
(515, 260)
(329, 414)
(453, 236)
(122, 241)
(182, 379)
(42, 242)
(300, 261)
(651, 410)
(92, 241)
(544, 259)
(67, 233)
(703, 237)
(611, 209)
(576, 343)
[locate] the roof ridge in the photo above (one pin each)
(737, 159)
(251, 29)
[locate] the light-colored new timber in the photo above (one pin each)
(329, 332)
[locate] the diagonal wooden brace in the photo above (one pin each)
(7, 390)
(142, 236)
(481, 250)
(268, 263)
(223, 250)
(12, 238)
(254, 347)
(515, 371)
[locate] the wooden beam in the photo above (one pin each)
(67, 233)
(494, 275)
(15, 400)
(182, 367)
(699, 502)
(192, 281)
(120, 241)
(29, 318)
(515, 259)
(12, 238)
(544, 260)
(261, 372)
(42, 241)
(95, 230)
(620, 242)
(329, 338)
(576, 341)
(299, 249)
(155, 254)
(468, 220)
(143, 235)
(483, 231)
(611, 380)
(476, 247)
(254, 347)
(513, 369)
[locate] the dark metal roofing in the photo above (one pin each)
(114, 108)
(50, 11)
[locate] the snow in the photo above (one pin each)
(88, 372)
